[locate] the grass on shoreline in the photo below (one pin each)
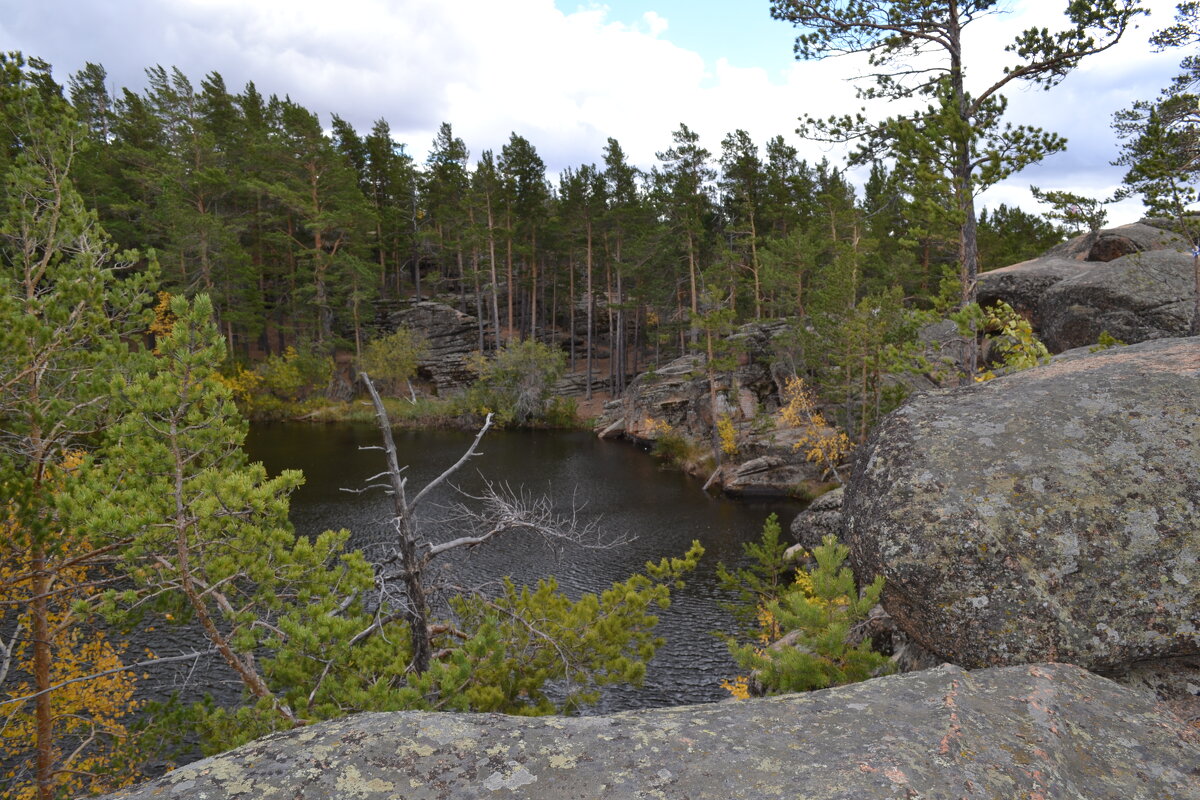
(425, 412)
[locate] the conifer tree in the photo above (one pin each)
(1161, 148)
(488, 189)
(525, 176)
(446, 197)
(742, 182)
(320, 188)
(625, 223)
(684, 189)
(65, 313)
(916, 50)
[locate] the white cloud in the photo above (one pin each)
(565, 81)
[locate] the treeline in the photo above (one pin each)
(296, 231)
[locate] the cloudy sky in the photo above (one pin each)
(567, 74)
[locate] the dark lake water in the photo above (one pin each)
(614, 482)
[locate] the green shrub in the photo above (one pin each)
(516, 382)
(674, 448)
(799, 629)
(392, 360)
(1105, 341)
(297, 374)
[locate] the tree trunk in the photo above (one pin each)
(533, 289)
(693, 332)
(754, 268)
(492, 267)
(587, 392)
(571, 310)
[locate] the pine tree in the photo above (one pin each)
(742, 182)
(525, 177)
(917, 50)
(319, 188)
(684, 186)
(66, 311)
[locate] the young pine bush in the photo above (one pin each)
(799, 629)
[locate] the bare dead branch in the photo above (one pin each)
(471, 452)
(138, 665)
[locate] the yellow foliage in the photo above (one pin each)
(164, 319)
(728, 435)
(822, 444)
(658, 427)
(768, 626)
(243, 384)
(87, 713)
(739, 688)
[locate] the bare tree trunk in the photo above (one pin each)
(591, 303)
(492, 267)
(417, 612)
(478, 297)
(571, 310)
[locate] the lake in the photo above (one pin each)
(615, 483)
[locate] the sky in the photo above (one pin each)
(568, 74)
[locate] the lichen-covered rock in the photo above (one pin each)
(1175, 681)
(769, 476)
(1023, 286)
(1021, 732)
(1047, 515)
(822, 518)
(451, 336)
(1134, 298)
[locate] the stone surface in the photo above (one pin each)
(676, 396)
(1043, 731)
(1049, 515)
(822, 518)
(1145, 235)
(1024, 285)
(1134, 298)
(1175, 681)
(769, 476)
(452, 337)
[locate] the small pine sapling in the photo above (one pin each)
(798, 631)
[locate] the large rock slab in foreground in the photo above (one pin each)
(1049, 515)
(1048, 731)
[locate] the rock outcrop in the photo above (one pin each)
(1133, 298)
(452, 337)
(1023, 285)
(1046, 515)
(676, 398)
(1125, 280)
(1035, 731)
(822, 518)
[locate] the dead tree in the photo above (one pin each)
(497, 510)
